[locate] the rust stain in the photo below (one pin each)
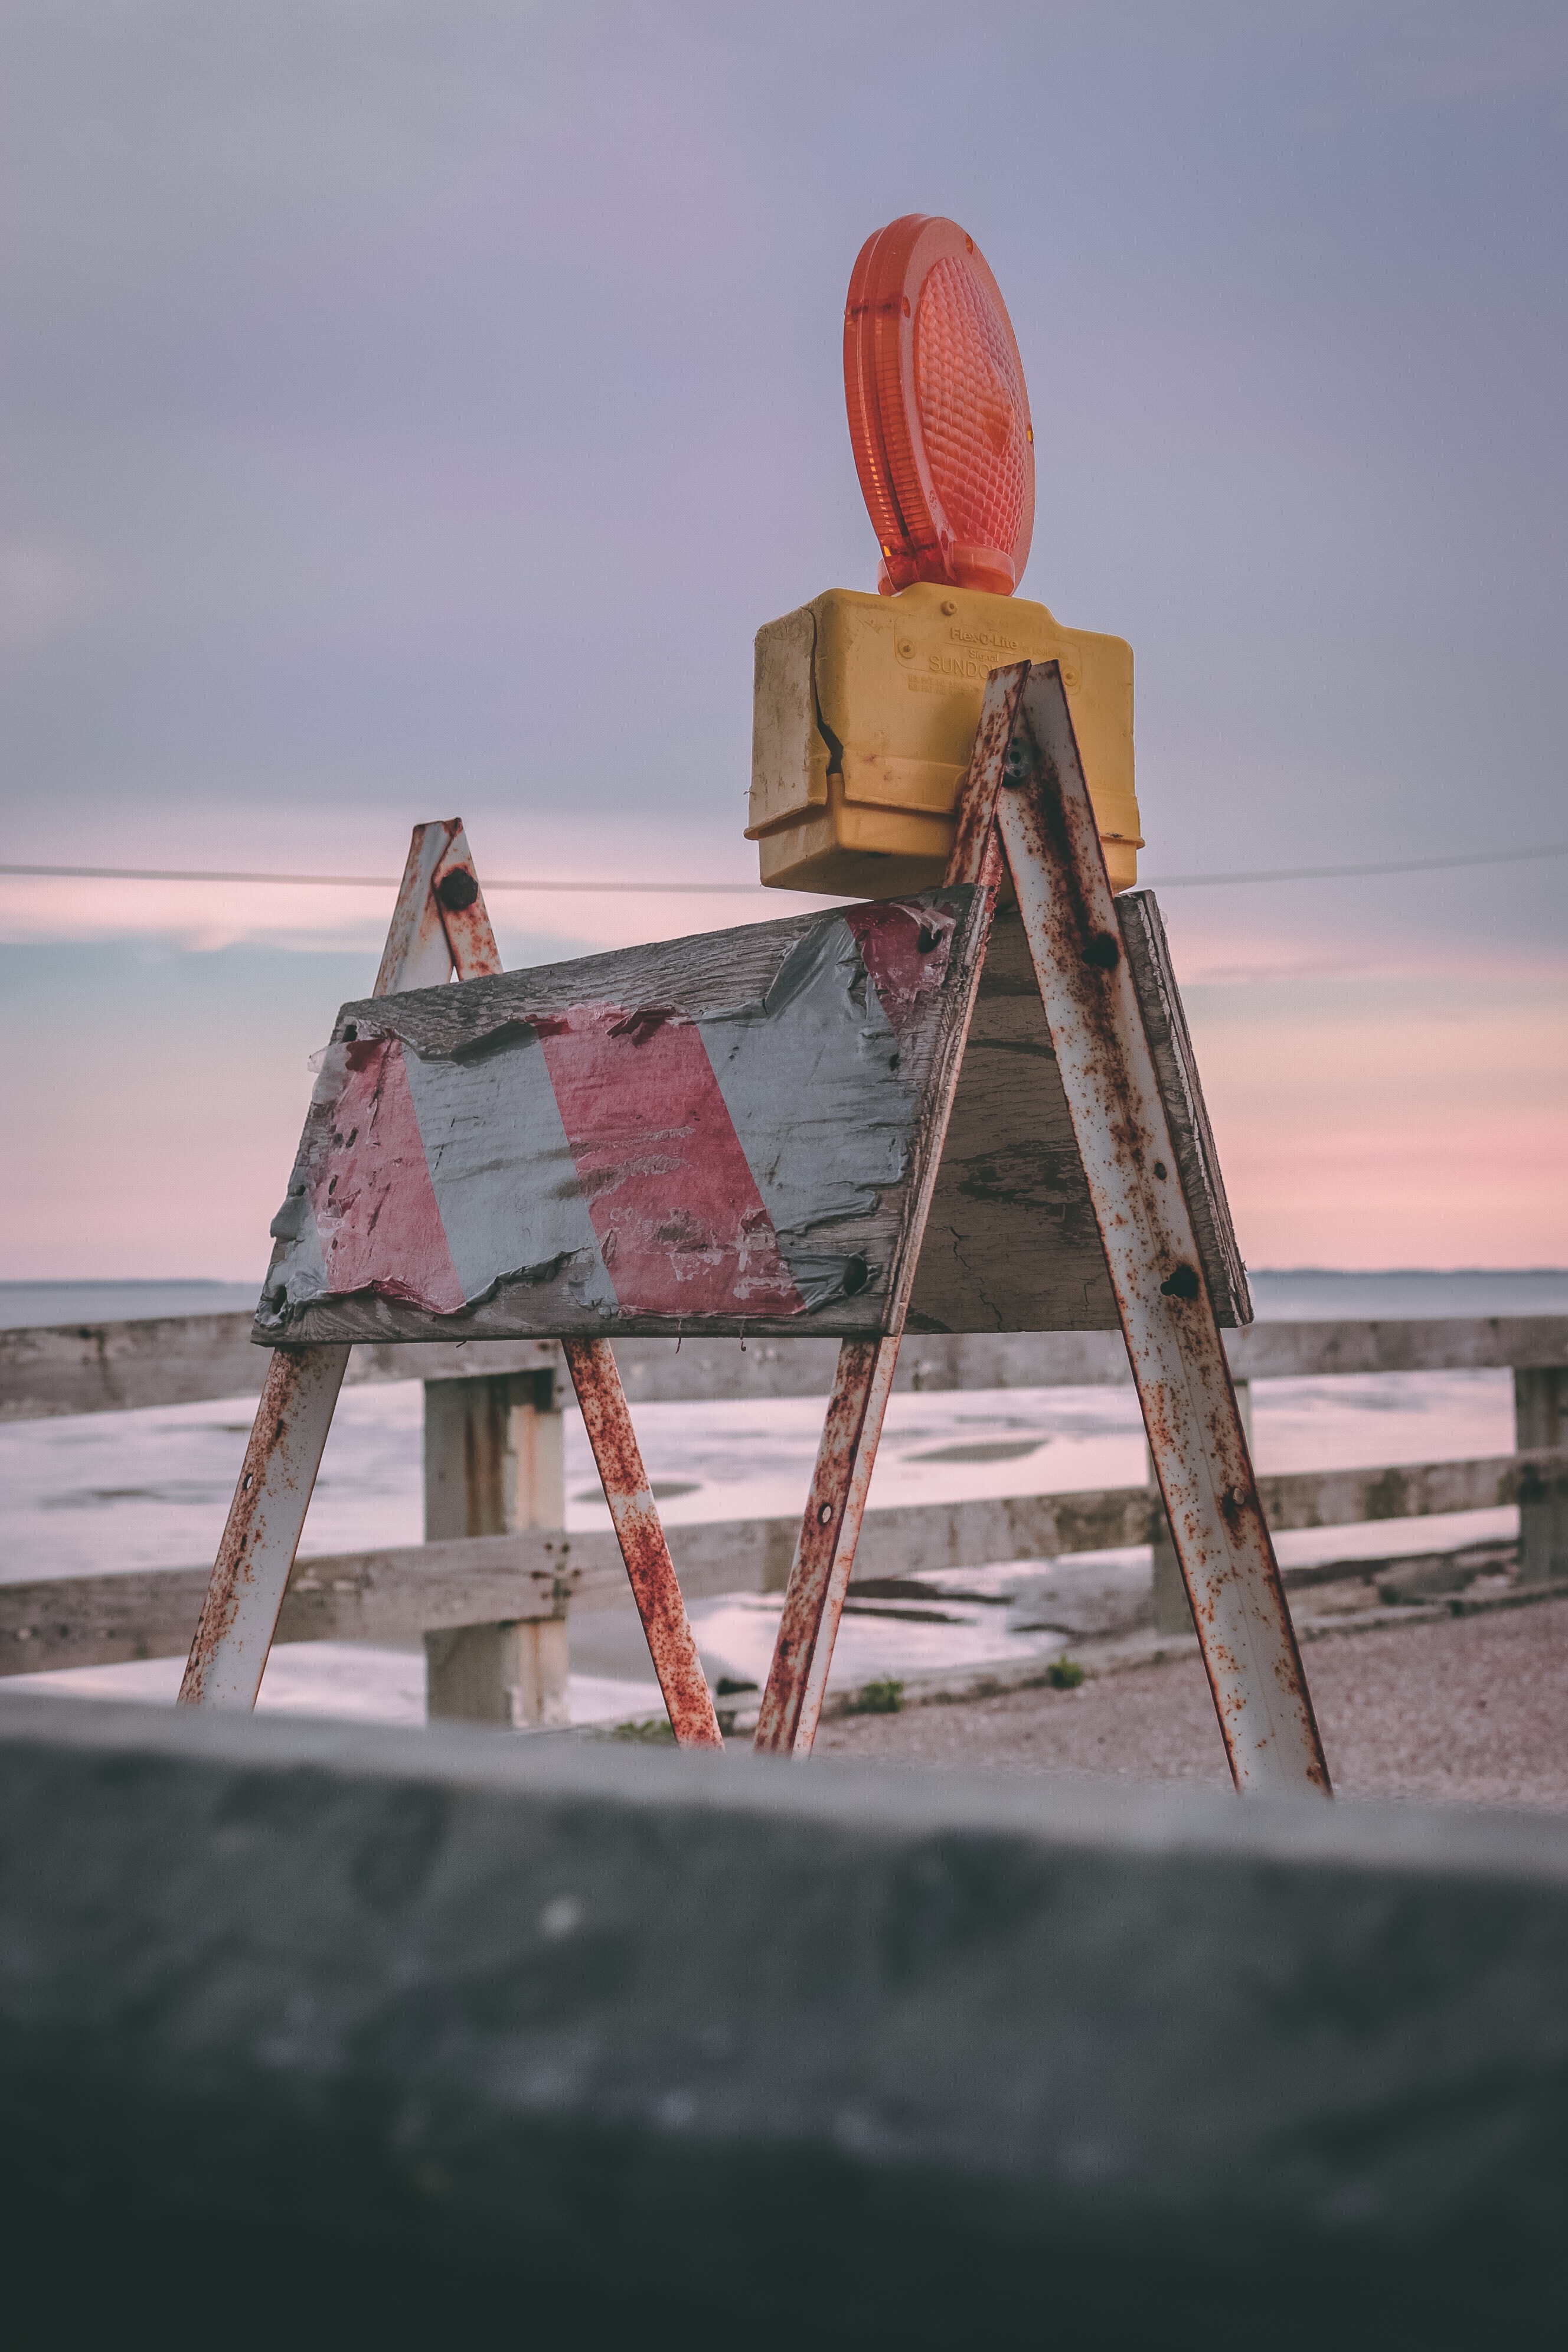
(287, 1375)
(973, 840)
(639, 1533)
(819, 1578)
(1195, 1436)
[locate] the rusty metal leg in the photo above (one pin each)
(1190, 1410)
(228, 1656)
(825, 1555)
(655, 1589)
(1173, 1610)
(438, 921)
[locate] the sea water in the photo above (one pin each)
(150, 1489)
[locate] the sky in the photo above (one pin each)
(412, 407)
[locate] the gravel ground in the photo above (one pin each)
(1473, 1711)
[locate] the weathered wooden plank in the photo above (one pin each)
(390, 1595)
(1272, 1351)
(1334, 1498)
(118, 1367)
(506, 1153)
(651, 1370)
(1012, 1243)
(53, 1370)
(720, 1133)
(99, 1621)
(1176, 1066)
(1041, 1527)
(396, 1593)
(935, 1361)
(701, 974)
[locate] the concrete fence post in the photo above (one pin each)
(495, 1464)
(1540, 1413)
(1173, 1610)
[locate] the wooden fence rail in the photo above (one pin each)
(399, 1593)
(194, 1359)
(500, 1560)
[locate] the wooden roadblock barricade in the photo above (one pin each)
(939, 1113)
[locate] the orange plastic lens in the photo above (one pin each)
(939, 413)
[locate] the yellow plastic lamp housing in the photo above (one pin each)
(865, 713)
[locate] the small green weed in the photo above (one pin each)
(883, 1697)
(655, 1730)
(1064, 1673)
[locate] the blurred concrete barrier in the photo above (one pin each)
(310, 2034)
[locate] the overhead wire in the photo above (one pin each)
(745, 889)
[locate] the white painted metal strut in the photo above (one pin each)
(1024, 797)
(633, 1514)
(438, 922)
(847, 1455)
(1047, 827)
(825, 1552)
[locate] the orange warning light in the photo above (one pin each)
(939, 415)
